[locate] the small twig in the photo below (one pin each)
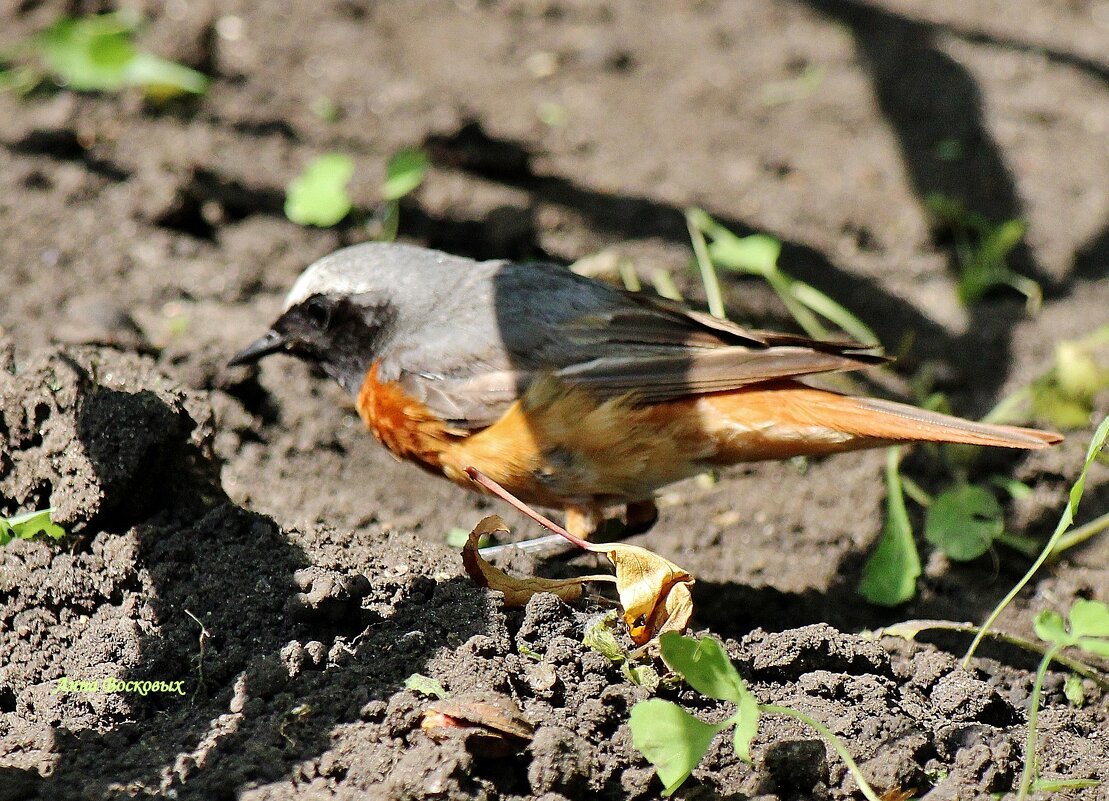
(506, 496)
(204, 635)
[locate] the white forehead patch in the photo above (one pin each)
(369, 266)
(339, 273)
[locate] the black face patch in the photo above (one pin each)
(343, 334)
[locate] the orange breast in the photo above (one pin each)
(555, 447)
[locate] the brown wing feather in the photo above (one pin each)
(692, 372)
(633, 344)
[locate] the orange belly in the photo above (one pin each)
(559, 446)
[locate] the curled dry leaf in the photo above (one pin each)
(517, 591)
(654, 592)
(492, 725)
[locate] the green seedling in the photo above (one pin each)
(98, 54)
(601, 637)
(425, 685)
(1074, 691)
(458, 537)
(1065, 522)
(318, 196)
(528, 652)
(675, 742)
(1086, 628)
(1065, 395)
(964, 521)
(757, 255)
(982, 249)
(404, 173)
(28, 526)
(890, 575)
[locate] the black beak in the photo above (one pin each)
(271, 342)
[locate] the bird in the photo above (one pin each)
(571, 393)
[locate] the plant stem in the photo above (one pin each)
(909, 629)
(1065, 521)
(1028, 546)
(783, 285)
(704, 262)
(833, 740)
(1081, 534)
(916, 492)
(1031, 769)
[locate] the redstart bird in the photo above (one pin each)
(570, 393)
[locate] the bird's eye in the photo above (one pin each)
(318, 311)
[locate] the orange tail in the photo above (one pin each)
(882, 419)
(782, 419)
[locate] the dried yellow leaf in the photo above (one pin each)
(517, 591)
(654, 592)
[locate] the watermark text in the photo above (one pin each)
(66, 685)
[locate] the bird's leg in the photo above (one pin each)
(584, 521)
(589, 521)
(640, 516)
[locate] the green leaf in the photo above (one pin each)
(318, 196)
(1050, 627)
(704, 664)
(523, 649)
(600, 637)
(643, 676)
(1096, 647)
(833, 312)
(1017, 490)
(1089, 618)
(97, 54)
(670, 739)
(27, 526)
(963, 522)
(746, 726)
(163, 79)
(1078, 373)
(425, 685)
(1065, 521)
(1052, 404)
(889, 577)
(404, 172)
(1074, 691)
(88, 54)
(458, 537)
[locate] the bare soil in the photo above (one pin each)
(240, 532)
